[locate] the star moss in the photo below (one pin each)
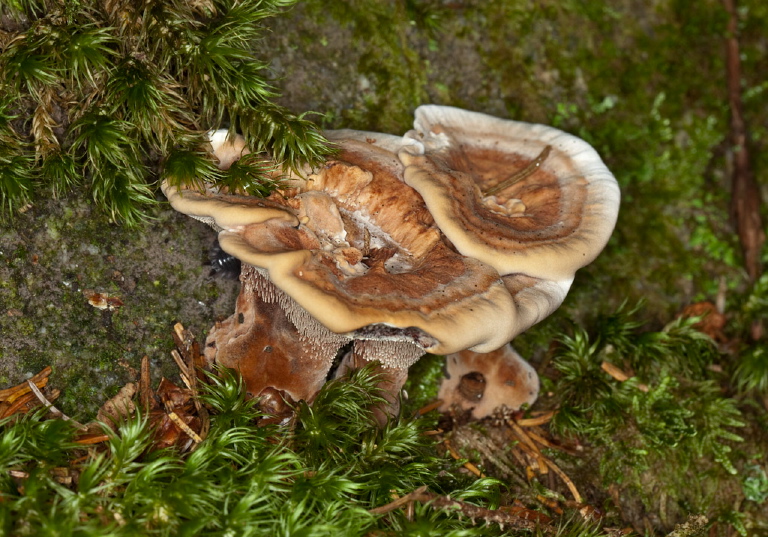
(320, 475)
(97, 96)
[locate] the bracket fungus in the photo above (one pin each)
(523, 198)
(533, 202)
(347, 254)
(396, 246)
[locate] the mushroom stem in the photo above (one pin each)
(275, 348)
(519, 175)
(392, 379)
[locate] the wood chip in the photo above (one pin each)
(184, 427)
(40, 379)
(102, 301)
(18, 404)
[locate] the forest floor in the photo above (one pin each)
(641, 83)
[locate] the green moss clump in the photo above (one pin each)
(94, 96)
(652, 432)
(320, 475)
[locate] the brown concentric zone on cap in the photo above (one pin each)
(554, 220)
(552, 207)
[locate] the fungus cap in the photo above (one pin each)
(523, 198)
(356, 248)
(227, 147)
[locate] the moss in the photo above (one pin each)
(94, 99)
(423, 381)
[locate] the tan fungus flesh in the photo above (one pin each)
(272, 342)
(483, 382)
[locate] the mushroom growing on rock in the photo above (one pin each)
(401, 246)
(349, 253)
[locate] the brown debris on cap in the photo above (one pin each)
(523, 198)
(483, 382)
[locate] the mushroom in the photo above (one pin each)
(523, 198)
(348, 254)
(483, 382)
(459, 235)
(529, 200)
(227, 148)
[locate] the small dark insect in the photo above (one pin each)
(223, 264)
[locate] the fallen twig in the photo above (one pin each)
(399, 502)
(567, 480)
(619, 374)
(429, 408)
(538, 420)
(528, 445)
(539, 439)
(145, 389)
(13, 399)
(504, 518)
(49, 406)
(40, 379)
(745, 192)
(184, 427)
(190, 362)
(90, 438)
